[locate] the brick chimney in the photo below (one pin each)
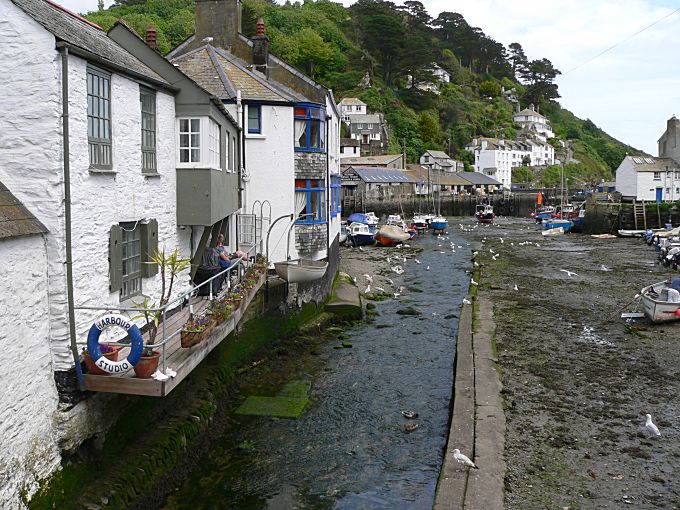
(219, 19)
(151, 37)
(261, 48)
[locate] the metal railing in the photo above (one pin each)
(239, 266)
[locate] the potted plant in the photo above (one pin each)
(109, 351)
(170, 266)
(195, 330)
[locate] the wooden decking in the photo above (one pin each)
(181, 360)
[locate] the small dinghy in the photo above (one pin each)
(661, 301)
(301, 270)
(553, 231)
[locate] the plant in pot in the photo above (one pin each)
(196, 329)
(109, 352)
(170, 265)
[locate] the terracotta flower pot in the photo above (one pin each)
(94, 369)
(147, 365)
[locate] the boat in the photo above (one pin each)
(438, 224)
(553, 231)
(359, 234)
(631, 233)
(394, 219)
(389, 235)
(368, 219)
(553, 223)
(419, 222)
(343, 233)
(661, 301)
(301, 270)
(484, 213)
(603, 236)
(543, 213)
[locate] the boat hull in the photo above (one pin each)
(362, 239)
(300, 271)
(655, 307)
(389, 235)
(485, 218)
(556, 223)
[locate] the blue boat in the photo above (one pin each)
(552, 223)
(439, 223)
(359, 234)
(367, 219)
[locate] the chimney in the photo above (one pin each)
(531, 107)
(219, 19)
(261, 48)
(151, 37)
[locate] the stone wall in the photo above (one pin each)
(310, 238)
(318, 291)
(310, 165)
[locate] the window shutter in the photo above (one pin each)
(149, 239)
(115, 258)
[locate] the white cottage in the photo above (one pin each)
(529, 118)
(351, 106)
(648, 178)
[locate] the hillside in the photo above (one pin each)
(337, 46)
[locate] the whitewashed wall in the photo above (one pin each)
(333, 148)
(270, 165)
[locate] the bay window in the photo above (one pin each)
(189, 140)
(310, 204)
(309, 128)
(336, 209)
(214, 144)
(200, 143)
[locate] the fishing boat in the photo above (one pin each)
(419, 222)
(661, 301)
(390, 235)
(368, 219)
(484, 213)
(301, 270)
(394, 219)
(439, 224)
(554, 223)
(359, 234)
(543, 212)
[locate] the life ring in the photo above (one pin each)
(115, 367)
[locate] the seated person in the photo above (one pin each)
(225, 258)
(210, 266)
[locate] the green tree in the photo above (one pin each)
(429, 130)
(539, 76)
(489, 88)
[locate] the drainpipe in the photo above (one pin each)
(67, 215)
(241, 121)
(329, 196)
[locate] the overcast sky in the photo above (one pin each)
(630, 91)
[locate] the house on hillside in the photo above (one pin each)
(291, 129)
(439, 76)
(439, 160)
(530, 118)
(350, 106)
(498, 157)
(117, 133)
(653, 178)
(370, 131)
(387, 161)
(349, 148)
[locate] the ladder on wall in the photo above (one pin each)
(639, 215)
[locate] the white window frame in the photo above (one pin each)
(657, 176)
(206, 158)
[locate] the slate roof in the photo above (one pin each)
(352, 101)
(15, 219)
(369, 118)
(371, 160)
(418, 173)
(80, 33)
(222, 74)
(380, 175)
(478, 178)
(652, 164)
(528, 111)
(350, 142)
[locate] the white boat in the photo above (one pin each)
(553, 231)
(631, 233)
(372, 219)
(301, 270)
(394, 219)
(661, 301)
(343, 233)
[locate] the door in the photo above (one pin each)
(659, 194)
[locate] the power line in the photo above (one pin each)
(623, 41)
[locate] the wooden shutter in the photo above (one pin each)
(116, 258)
(149, 239)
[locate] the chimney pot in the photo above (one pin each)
(151, 34)
(259, 28)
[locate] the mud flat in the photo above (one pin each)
(581, 378)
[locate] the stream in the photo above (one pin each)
(349, 450)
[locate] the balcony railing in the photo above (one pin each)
(173, 317)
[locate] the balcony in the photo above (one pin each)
(206, 195)
(182, 360)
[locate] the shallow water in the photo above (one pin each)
(348, 450)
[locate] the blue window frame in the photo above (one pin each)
(254, 119)
(336, 208)
(310, 133)
(314, 211)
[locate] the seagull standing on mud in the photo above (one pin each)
(649, 426)
(569, 273)
(463, 459)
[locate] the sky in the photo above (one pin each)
(630, 91)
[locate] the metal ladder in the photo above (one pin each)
(639, 214)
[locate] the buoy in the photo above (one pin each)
(115, 367)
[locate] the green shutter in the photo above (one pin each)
(116, 258)
(149, 238)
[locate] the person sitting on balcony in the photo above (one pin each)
(209, 268)
(225, 258)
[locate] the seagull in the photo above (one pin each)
(463, 459)
(476, 263)
(516, 288)
(569, 273)
(396, 295)
(389, 260)
(361, 248)
(466, 301)
(427, 268)
(495, 257)
(380, 289)
(501, 240)
(604, 268)
(417, 261)
(651, 427)
(410, 414)
(473, 282)
(367, 289)
(369, 278)
(389, 280)
(354, 278)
